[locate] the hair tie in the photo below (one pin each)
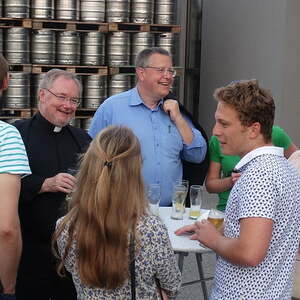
(108, 164)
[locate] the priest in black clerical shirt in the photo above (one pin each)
(53, 147)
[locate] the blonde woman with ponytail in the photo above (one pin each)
(107, 210)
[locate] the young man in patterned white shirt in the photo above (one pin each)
(258, 243)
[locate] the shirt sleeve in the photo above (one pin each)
(214, 149)
(167, 271)
(13, 157)
(101, 119)
(280, 138)
(196, 150)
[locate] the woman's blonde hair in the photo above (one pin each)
(105, 207)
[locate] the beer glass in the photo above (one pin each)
(216, 217)
(195, 200)
(153, 195)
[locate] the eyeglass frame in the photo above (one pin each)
(73, 101)
(162, 71)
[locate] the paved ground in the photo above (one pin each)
(190, 271)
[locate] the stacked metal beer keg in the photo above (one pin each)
(54, 47)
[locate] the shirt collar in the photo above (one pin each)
(258, 152)
(136, 99)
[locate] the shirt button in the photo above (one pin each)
(157, 145)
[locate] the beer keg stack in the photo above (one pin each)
(98, 39)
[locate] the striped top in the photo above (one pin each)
(13, 157)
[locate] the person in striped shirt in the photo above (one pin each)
(13, 165)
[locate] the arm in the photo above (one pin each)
(290, 150)
(249, 249)
(10, 234)
(215, 184)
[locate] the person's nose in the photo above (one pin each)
(216, 130)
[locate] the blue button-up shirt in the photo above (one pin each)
(161, 143)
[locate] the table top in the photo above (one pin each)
(182, 243)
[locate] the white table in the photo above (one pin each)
(182, 245)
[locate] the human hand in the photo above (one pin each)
(186, 230)
(62, 182)
(171, 107)
(234, 177)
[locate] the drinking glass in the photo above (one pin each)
(196, 201)
(153, 194)
(178, 198)
(185, 183)
(216, 217)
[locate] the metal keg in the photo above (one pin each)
(92, 10)
(76, 122)
(42, 9)
(67, 9)
(118, 84)
(86, 123)
(117, 10)
(140, 41)
(17, 45)
(165, 11)
(142, 11)
(43, 47)
(1, 10)
(170, 42)
(94, 91)
(11, 121)
(93, 48)
(118, 49)
(16, 8)
(1, 41)
(36, 80)
(68, 48)
(18, 93)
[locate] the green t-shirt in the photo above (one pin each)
(228, 162)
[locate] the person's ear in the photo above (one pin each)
(255, 129)
(140, 73)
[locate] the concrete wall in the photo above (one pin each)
(252, 39)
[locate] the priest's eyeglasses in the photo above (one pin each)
(73, 101)
(163, 71)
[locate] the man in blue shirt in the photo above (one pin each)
(165, 134)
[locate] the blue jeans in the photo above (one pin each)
(7, 297)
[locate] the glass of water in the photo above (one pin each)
(153, 194)
(178, 199)
(196, 201)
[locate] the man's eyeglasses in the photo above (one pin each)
(74, 101)
(163, 71)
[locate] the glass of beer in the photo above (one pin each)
(195, 200)
(216, 217)
(153, 194)
(178, 198)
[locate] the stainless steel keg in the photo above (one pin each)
(92, 10)
(118, 84)
(68, 48)
(170, 42)
(36, 80)
(43, 47)
(164, 11)
(140, 41)
(42, 9)
(93, 48)
(18, 93)
(16, 8)
(94, 91)
(1, 41)
(86, 123)
(117, 10)
(142, 11)
(1, 9)
(17, 45)
(118, 49)
(67, 9)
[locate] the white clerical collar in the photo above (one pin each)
(257, 152)
(57, 129)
